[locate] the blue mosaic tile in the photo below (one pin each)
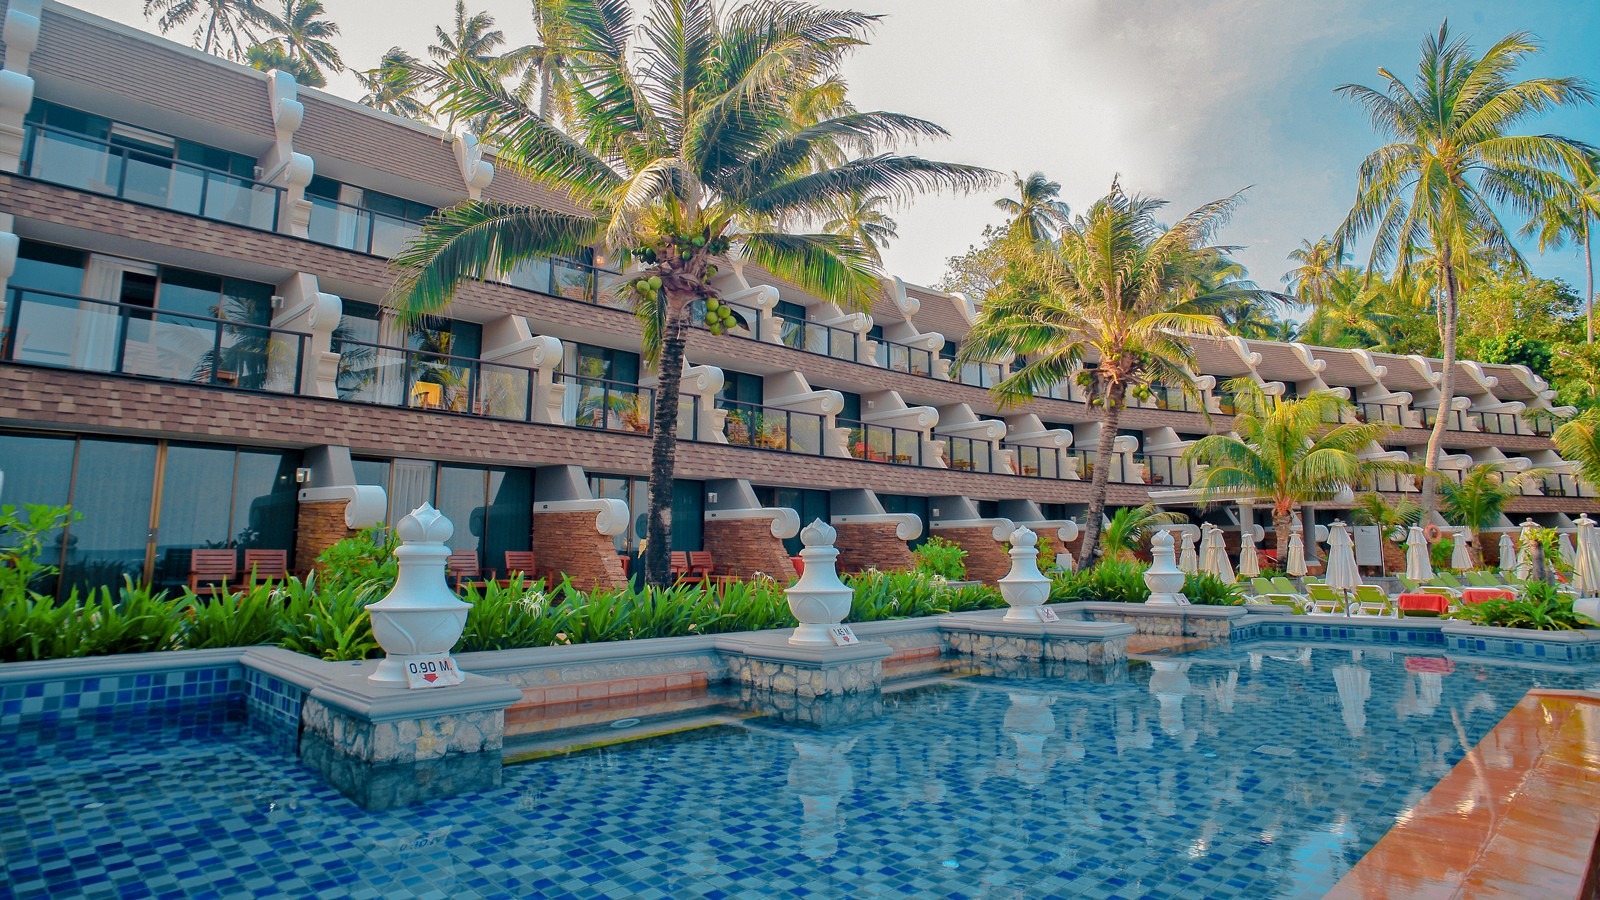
(131, 693)
(1180, 778)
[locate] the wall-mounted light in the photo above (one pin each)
(302, 475)
(711, 496)
(277, 301)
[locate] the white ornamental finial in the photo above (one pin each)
(1162, 540)
(818, 534)
(1024, 537)
(424, 525)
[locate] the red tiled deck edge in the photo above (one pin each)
(1517, 817)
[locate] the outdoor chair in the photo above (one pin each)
(211, 570)
(1325, 599)
(702, 563)
(680, 567)
(1283, 585)
(266, 565)
(1412, 586)
(1449, 580)
(462, 570)
(1374, 600)
(526, 564)
(1267, 592)
(1480, 579)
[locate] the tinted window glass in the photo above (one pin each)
(113, 491)
(45, 267)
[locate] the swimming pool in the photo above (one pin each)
(1259, 770)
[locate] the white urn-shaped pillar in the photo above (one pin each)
(819, 600)
(1164, 578)
(421, 616)
(1024, 587)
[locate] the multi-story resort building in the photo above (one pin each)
(195, 353)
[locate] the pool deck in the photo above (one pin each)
(1517, 817)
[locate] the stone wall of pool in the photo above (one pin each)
(385, 746)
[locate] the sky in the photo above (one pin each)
(1186, 100)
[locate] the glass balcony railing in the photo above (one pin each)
(771, 428)
(979, 374)
(1562, 485)
(101, 167)
(818, 338)
(1387, 413)
(419, 379)
(1167, 471)
(1457, 420)
(607, 405)
(966, 454)
(49, 329)
(1174, 399)
(905, 358)
(747, 319)
(1085, 463)
(1036, 462)
(573, 280)
(882, 443)
(362, 230)
(1498, 422)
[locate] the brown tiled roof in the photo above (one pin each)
(938, 313)
(1344, 368)
(1403, 374)
(1511, 386)
(1217, 357)
(1280, 362)
(153, 75)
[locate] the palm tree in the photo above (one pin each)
(1570, 215)
(1036, 213)
(468, 53)
(305, 36)
(274, 55)
(1113, 294)
(1454, 160)
(393, 88)
(1355, 311)
(226, 24)
(861, 218)
(1286, 452)
(1578, 440)
(1485, 490)
(1130, 525)
(1392, 518)
(1320, 264)
(675, 147)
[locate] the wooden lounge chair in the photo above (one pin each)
(526, 564)
(266, 565)
(462, 570)
(210, 571)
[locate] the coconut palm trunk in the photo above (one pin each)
(1588, 293)
(1282, 525)
(1447, 385)
(664, 439)
(1110, 416)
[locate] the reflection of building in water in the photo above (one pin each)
(1030, 725)
(1420, 694)
(1073, 749)
(1355, 689)
(1224, 691)
(1131, 728)
(821, 776)
(1169, 683)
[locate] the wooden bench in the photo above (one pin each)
(526, 564)
(266, 565)
(462, 570)
(210, 571)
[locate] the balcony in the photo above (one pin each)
(818, 338)
(1166, 471)
(1174, 399)
(64, 331)
(900, 357)
(418, 379)
(1457, 420)
(968, 454)
(573, 280)
(1386, 413)
(1036, 462)
(100, 167)
(882, 443)
(977, 374)
(362, 230)
(606, 405)
(1563, 485)
(771, 428)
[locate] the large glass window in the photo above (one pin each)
(688, 511)
(491, 508)
(37, 469)
(809, 505)
(46, 267)
(112, 490)
(215, 497)
(688, 515)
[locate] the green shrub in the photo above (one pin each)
(330, 622)
(359, 560)
(22, 543)
(1538, 607)
(1111, 581)
(238, 618)
(1439, 553)
(938, 556)
(1208, 590)
(130, 620)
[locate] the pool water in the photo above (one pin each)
(1259, 771)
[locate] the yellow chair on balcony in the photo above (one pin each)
(427, 395)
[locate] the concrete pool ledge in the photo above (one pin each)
(986, 635)
(1518, 816)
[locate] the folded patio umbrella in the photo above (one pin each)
(1249, 563)
(1587, 560)
(1508, 552)
(1461, 556)
(1221, 566)
(1569, 553)
(1525, 550)
(1188, 559)
(1342, 574)
(1295, 565)
(1418, 565)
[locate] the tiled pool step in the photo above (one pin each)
(1517, 817)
